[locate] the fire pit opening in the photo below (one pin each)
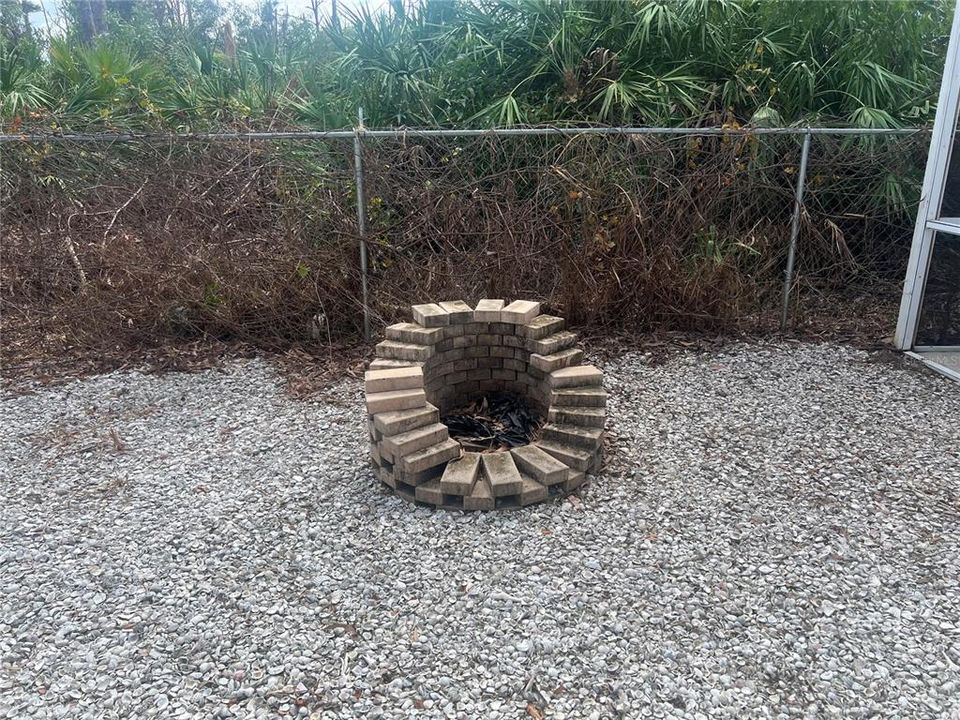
(495, 421)
(483, 408)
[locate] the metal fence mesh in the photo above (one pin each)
(860, 205)
(619, 231)
(136, 242)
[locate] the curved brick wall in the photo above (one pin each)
(452, 353)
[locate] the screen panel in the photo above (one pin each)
(939, 322)
(950, 203)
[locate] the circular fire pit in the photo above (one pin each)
(509, 357)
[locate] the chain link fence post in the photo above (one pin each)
(794, 230)
(361, 218)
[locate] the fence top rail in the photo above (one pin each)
(400, 133)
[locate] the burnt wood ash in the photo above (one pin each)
(496, 421)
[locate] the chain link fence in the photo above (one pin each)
(121, 242)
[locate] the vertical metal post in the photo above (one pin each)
(361, 218)
(794, 230)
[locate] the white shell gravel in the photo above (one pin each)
(776, 536)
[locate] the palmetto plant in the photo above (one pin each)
(866, 63)
(21, 85)
(387, 65)
(870, 63)
(104, 82)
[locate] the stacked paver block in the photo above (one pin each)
(450, 354)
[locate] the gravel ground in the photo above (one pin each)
(776, 535)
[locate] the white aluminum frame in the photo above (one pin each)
(931, 195)
(935, 366)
